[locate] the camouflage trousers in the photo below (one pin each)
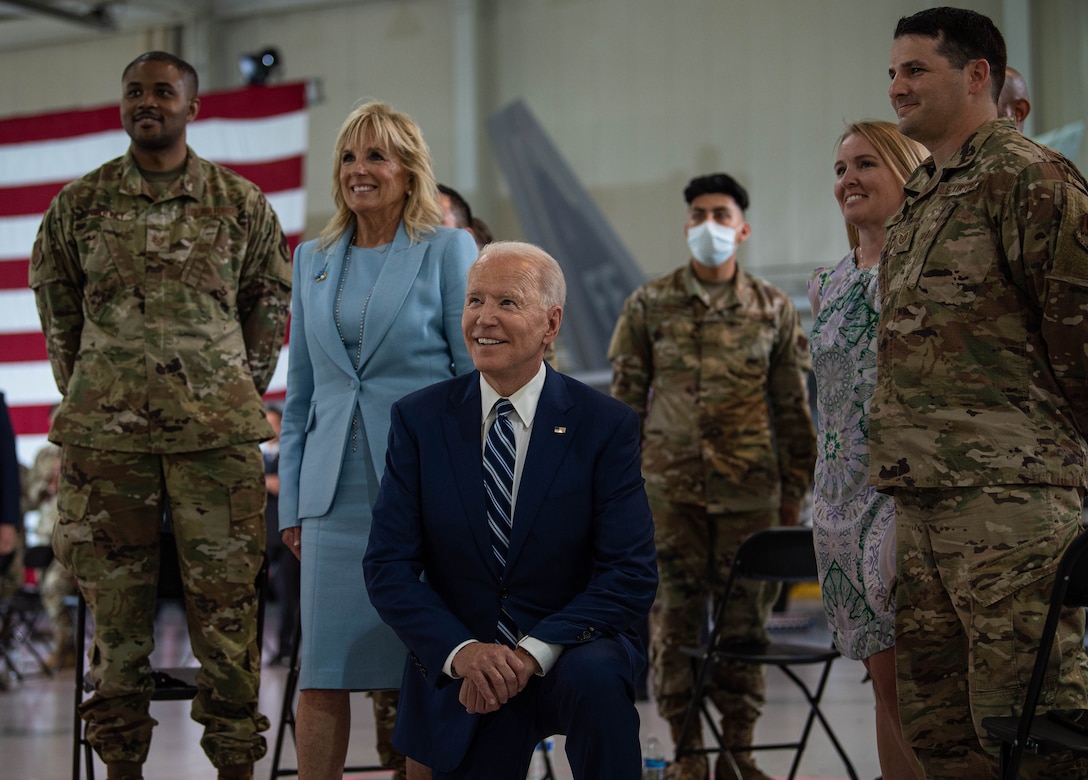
(976, 566)
(695, 551)
(385, 718)
(111, 507)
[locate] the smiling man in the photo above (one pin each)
(981, 407)
(515, 492)
(162, 282)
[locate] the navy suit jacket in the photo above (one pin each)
(581, 565)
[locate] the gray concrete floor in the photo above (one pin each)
(36, 718)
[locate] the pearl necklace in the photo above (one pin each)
(357, 364)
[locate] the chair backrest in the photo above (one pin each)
(1072, 573)
(38, 557)
(1070, 590)
(780, 554)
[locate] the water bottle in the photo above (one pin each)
(653, 760)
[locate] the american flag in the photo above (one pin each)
(260, 132)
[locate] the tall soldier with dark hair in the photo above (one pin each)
(162, 282)
(980, 410)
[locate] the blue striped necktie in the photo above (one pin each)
(499, 450)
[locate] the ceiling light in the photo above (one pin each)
(258, 68)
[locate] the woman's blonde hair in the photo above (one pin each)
(399, 133)
(898, 152)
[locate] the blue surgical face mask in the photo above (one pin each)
(712, 244)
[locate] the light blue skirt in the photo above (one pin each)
(345, 645)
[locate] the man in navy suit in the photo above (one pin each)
(580, 569)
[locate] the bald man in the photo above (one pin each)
(1013, 100)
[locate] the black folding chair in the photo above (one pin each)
(786, 556)
(287, 716)
(1058, 731)
(22, 614)
(171, 683)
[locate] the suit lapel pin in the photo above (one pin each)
(559, 429)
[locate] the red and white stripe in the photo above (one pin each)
(260, 132)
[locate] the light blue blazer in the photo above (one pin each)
(412, 339)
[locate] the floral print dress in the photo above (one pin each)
(854, 526)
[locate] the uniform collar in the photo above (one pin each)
(190, 183)
(964, 157)
(739, 291)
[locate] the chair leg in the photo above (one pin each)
(88, 754)
(549, 770)
(10, 663)
(8, 630)
(287, 711)
(77, 724)
(814, 713)
(1011, 755)
(697, 709)
(728, 756)
(14, 628)
(24, 630)
(287, 715)
(82, 753)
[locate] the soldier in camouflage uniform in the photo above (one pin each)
(162, 282)
(981, 406)
(712, 359)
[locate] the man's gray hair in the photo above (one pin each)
(553, 286)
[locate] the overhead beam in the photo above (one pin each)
(98, 17)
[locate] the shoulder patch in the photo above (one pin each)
(1071, 248)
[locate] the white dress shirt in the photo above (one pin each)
(524, 401)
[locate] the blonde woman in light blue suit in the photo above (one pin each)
(375, 315)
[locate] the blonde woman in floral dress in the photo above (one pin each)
(855, 525)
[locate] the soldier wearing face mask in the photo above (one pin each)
(712, 359)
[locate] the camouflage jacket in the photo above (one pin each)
(982, 369)
(163, 317)
(720, 389)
